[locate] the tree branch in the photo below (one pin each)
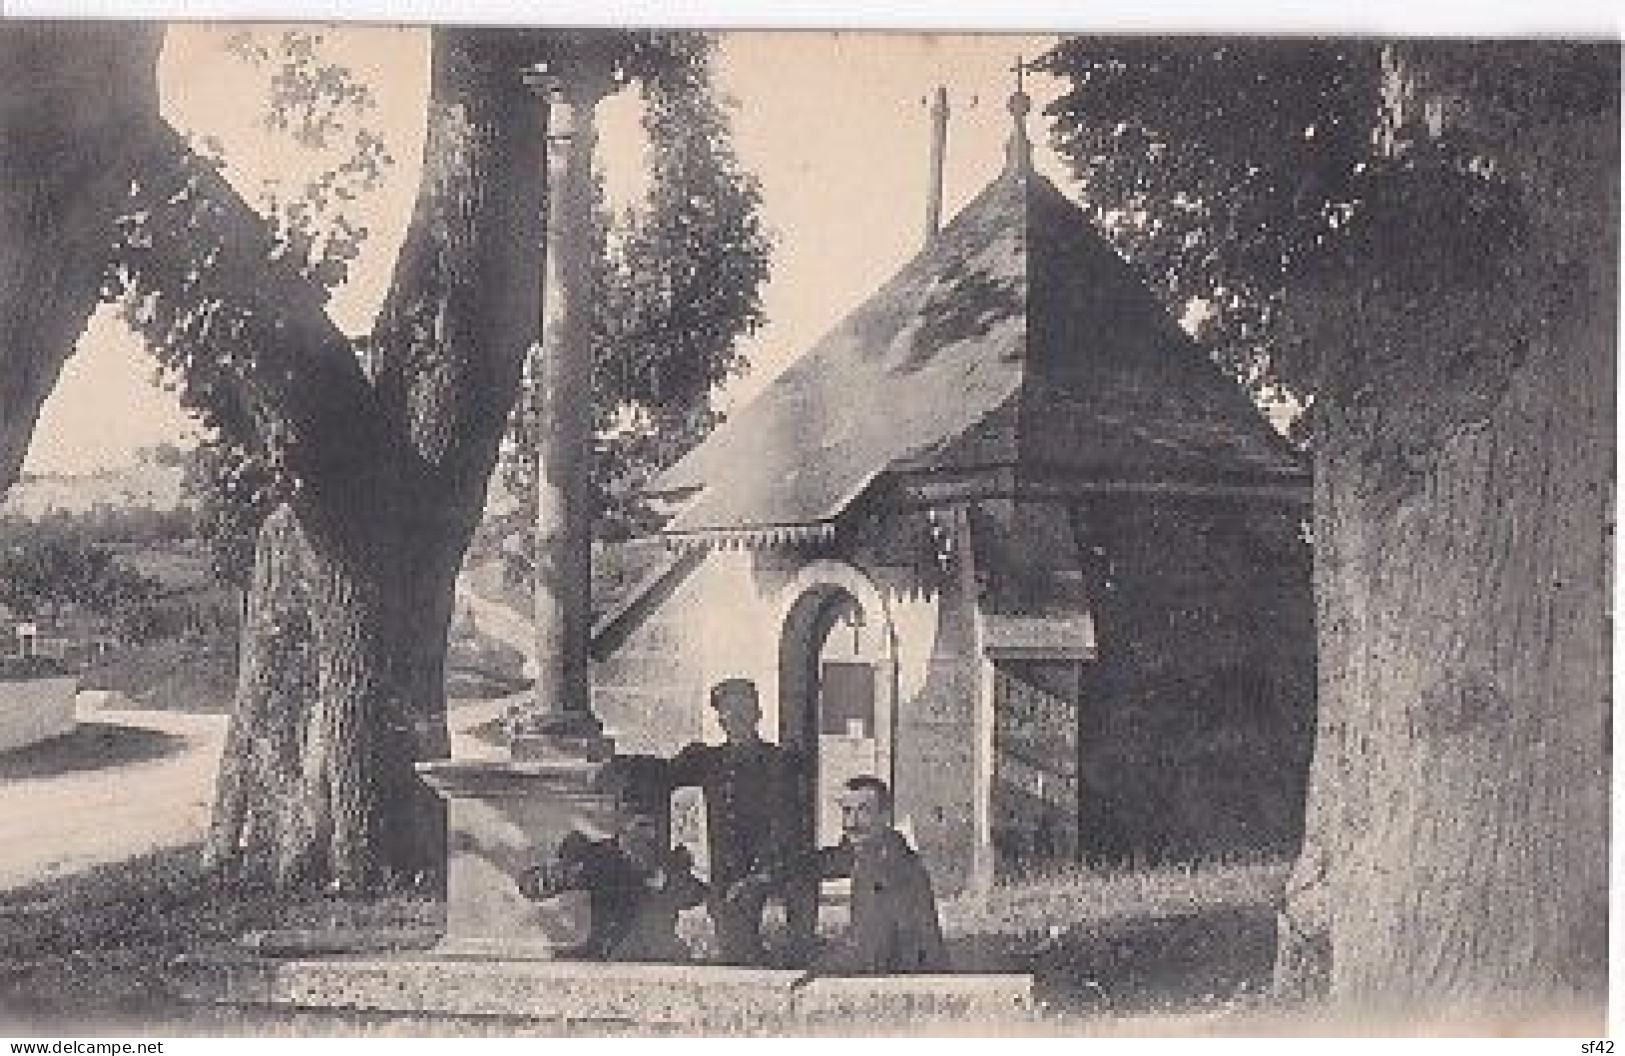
(221, 302)
(462, 309)
(72, 93)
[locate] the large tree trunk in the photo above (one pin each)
(73, 95)
(256, 831)
(385, 540)
(1457, 847)
(340, 691)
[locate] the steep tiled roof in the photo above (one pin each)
(1016, 338)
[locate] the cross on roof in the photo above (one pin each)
(1018, 153)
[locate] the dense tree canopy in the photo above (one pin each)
(1235, 171)
(44, 569)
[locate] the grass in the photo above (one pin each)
(1141, 940)
(1075, 897)
(89, 952)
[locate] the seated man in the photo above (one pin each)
(894, 927)
(635, 882)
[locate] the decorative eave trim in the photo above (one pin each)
(935, 487)
(766, 536)
(751, 537)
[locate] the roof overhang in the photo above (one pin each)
(925, 488)
(938, 487)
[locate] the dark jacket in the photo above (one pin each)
(894, 927)
(634, 910)
(750, 804)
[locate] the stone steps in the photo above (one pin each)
(683, 997)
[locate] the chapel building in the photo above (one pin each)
(1008, 538)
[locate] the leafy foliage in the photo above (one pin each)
(231, 492)
(310, 97)
(677, 281)
(135, 570)
(684, 270)
(1216, 164)
(45, 569)
(192, 314)
(1247, 174)
(677, 285)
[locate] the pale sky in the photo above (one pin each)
(834, 124)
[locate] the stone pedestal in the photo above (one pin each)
(503, 818)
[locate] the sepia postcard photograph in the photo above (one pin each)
(540, 530)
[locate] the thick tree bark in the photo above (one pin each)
(316, 784)
(257, 829)
(385, 539)
(73, 93)
(1456, 856)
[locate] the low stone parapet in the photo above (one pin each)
(681, 997)
(35, 709)
(901, 999)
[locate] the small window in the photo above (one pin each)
(846, 706)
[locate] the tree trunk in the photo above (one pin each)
(384, 538)
(1456, 855)
(340, 691)
(388, 473)
(255, 831)
(354, 749)
(74, 92)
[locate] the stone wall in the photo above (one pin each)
(1035, 794)
(936, 772)
(35, 709)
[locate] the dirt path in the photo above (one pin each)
(493, 618)
(498, 621)
(136, 781)
(53, 824)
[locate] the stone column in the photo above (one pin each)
(560, 720)
(506, 816)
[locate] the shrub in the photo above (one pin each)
(23, 668)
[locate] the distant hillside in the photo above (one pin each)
(144, 485)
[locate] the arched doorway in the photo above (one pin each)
(836, 690)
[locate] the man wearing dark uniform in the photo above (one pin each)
(750, 815)
(635, 883)
(894, 925)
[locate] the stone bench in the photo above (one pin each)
(696, 997)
